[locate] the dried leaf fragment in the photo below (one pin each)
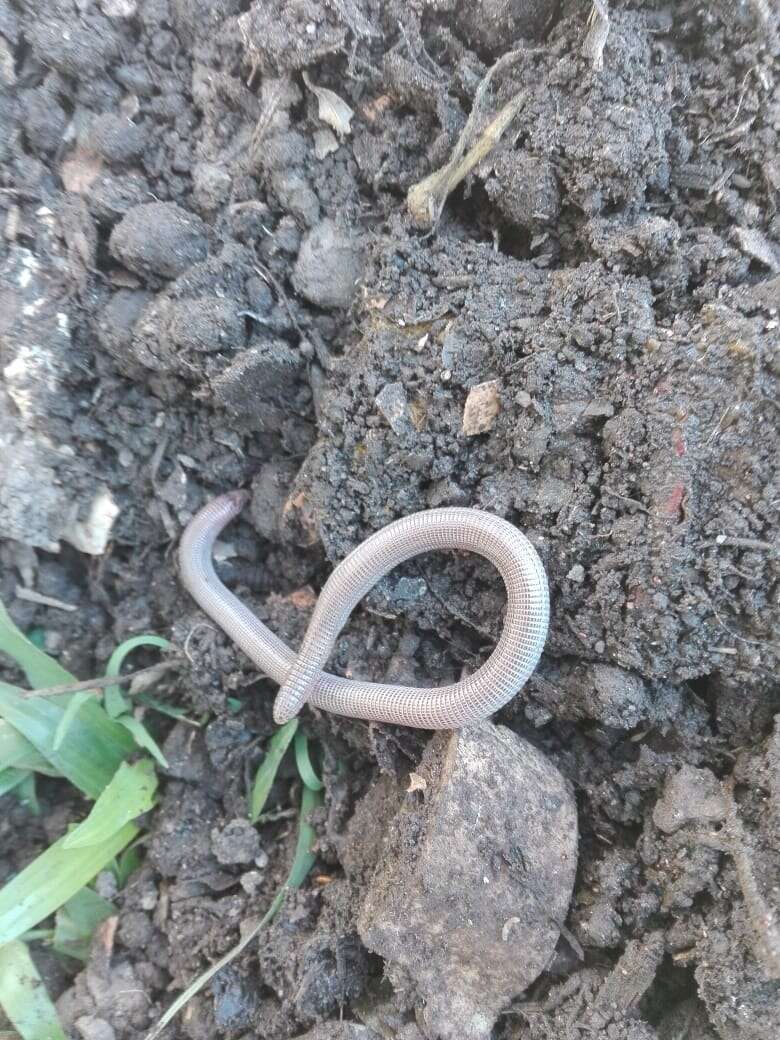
(333, 110)
(324, 144)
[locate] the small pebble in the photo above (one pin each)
(91, 1027)
(690, 796)
(251, 881)
(105, 884)
(577, 574)
(392, 402)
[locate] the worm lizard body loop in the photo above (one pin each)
(300, 675)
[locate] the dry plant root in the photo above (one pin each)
(426, 199)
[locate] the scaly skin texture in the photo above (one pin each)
(300, 675)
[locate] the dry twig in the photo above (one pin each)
(96, 685)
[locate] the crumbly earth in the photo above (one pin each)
(209, 279)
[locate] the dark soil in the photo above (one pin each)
(205, 286)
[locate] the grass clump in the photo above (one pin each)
(75, 737)
(86, 733)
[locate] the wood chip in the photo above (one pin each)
(598, 31)
(80, 170)
(7, 64)
(483, 405)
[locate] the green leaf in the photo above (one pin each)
(23, 996)
(266, 774)
(76, 921)
(52, 879)
(303, 762)
(17, 752)
(40, 669)
(68, 716)
(95, 747)
(114, 701)
(11, 778)
(143, 738)
(129, 794)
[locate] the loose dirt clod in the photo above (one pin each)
(328, 266)
(690, 796)
(159, 238)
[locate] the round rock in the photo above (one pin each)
(473, 877)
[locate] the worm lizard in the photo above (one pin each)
(300, 675)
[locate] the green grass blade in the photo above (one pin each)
(95, 747)
(129, 794)
(52, 879)
(266, 774)
(195, 987)
(166, 709)
(68, 716)
(303, 762)
(27, 793)
(114, 701)
(11, 778)
(143, 738)
(77, 920)
(126, 864)
(302, 864)
(23, 996)
(17, 752)
(40, 669)
(304, 857)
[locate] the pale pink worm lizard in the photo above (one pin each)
(300, 675)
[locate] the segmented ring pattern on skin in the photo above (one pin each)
(300, 675)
